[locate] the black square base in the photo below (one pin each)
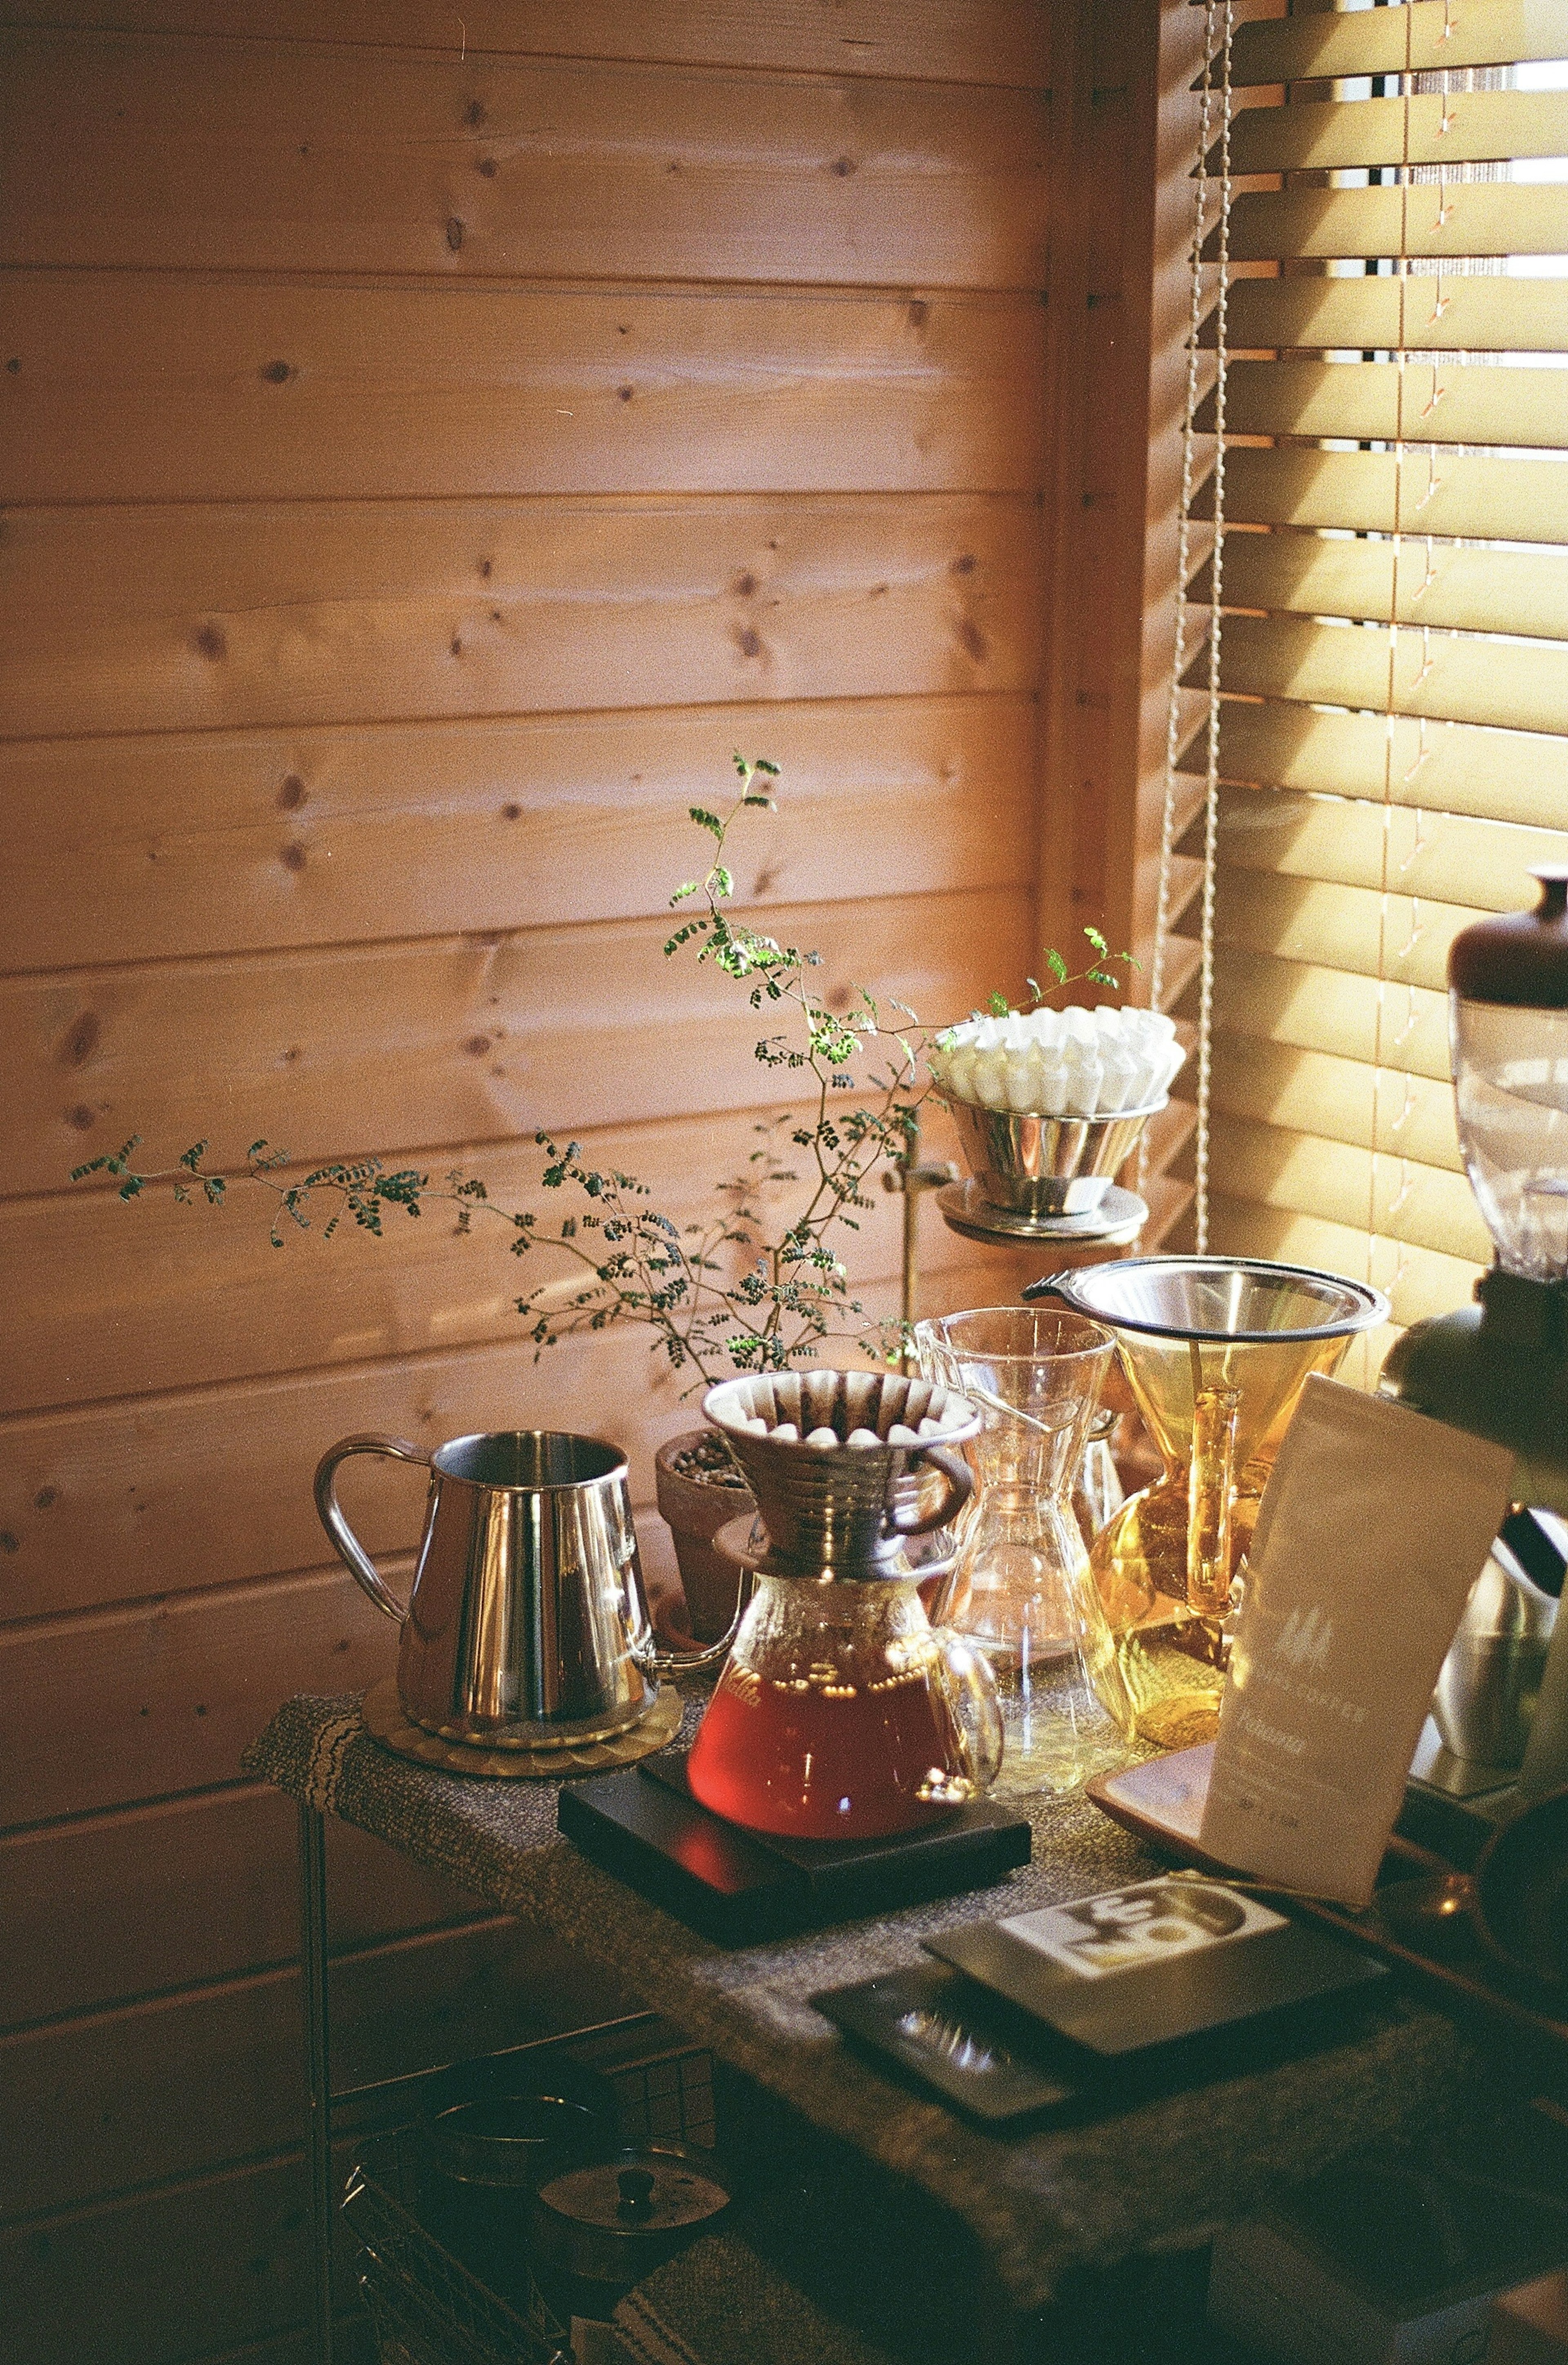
(739, 1887)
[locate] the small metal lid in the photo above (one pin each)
(614, 2222)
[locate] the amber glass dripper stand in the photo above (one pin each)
(1216, 1352)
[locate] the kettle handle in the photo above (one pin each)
(960, 1486)
(361, 1567)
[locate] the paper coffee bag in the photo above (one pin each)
(1373, 1527)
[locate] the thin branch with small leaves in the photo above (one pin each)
(719, 1296)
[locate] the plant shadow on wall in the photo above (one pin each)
(721, 1297)
(749, 1290)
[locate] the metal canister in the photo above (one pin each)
(483, 2159)
(597, 2230)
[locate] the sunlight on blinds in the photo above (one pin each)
(1393, 725)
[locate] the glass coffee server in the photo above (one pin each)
(1020, 1590)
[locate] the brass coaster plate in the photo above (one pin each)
(386, 1722)
(1115, 1223)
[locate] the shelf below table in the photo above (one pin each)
(1039, 2204)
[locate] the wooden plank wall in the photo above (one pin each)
(426, 459)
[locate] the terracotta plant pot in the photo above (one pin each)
(695, 1510)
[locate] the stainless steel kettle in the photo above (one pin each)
(527, 1623)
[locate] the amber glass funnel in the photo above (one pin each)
(1216, 1352)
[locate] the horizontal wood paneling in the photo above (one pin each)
(124, 849)
(126, 387)
(627, 410)
(187, 2083)
(100, 1909)
(166, 2275)
(211, 618)
(448, 1040)
(160, 1494)
(340, 159)
(172, 1690)
(941, 40)
(114, 1301)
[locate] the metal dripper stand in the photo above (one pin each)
(1104, 1218)
(1045, 1182)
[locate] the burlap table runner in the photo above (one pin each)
(1163, 2174)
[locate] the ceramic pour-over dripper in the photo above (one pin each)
(1216, 1351)
(835, 1461)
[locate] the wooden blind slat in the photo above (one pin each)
(1427, 218)
(1342, 1100)
(1380, 312)
(1428, 35)
(1467, 128)
(1464, 678)
(1438, 856)
(1438, 584)
(1376, 492)
(1338, 1184)
(1419, 1282)
(1401, 938)
(1505, 775)
(1437, 400)
(1405, 1029)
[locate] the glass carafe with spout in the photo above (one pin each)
(841, 1714)
(1020, 1590)
(1216, 1352)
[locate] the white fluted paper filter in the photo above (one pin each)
(1059, 1062)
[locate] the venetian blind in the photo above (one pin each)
(1393, 579)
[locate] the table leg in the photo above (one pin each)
(318, 2068)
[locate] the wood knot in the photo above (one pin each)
(484, 565)
(293, 856)
(474, 113)
(919, 312)
(456, 646)
(14, 364)
(476, 1046)
(453, 233)
(745, 585)
(276, 372)
(82, 1117)
(750, 643)
(624, 393)
(83, 1040)
(974, 639)
(45, 1497)
(512, 813)
(964, 566)
(211, 641)
(292, 793)
(842, 166)
(489, 167)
